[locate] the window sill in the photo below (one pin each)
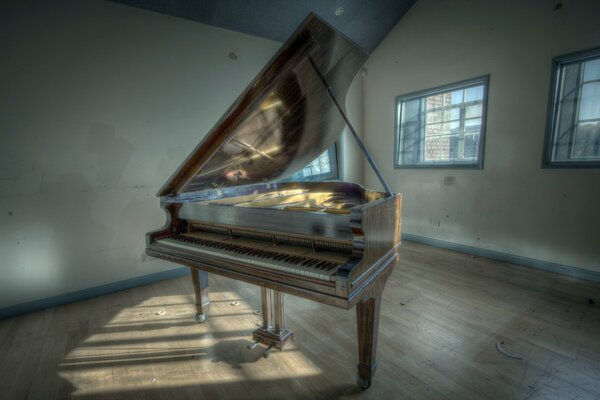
(440, 166)
(571, 165)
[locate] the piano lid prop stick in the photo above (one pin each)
(357, 138)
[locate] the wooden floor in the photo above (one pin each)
(442, 316)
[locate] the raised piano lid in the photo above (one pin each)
(282, 121)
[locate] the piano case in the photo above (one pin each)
(231, 211)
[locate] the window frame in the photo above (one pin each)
(483, 79)
(551, 114)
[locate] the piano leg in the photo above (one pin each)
(267, 308)
(200, 281)
(367, 322)
(278, 311)
(273, 332)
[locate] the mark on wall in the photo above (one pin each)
(449, 180)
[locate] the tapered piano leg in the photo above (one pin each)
(267, 308)
(200, 281)
(367, 322)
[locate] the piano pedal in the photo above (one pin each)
(266, 352)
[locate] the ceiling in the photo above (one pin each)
(365, 22)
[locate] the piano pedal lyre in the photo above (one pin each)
(272, 333)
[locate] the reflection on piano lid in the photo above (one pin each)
(282, 121)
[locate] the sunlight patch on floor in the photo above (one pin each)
(157, 344)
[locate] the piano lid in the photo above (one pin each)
(283, 120)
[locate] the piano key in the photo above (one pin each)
(296, 264)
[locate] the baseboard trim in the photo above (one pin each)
(573, 272)
(58, 300)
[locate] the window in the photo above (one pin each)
(573, 132)
(442, 127)
(323, 167)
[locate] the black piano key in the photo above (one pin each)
(322, 264)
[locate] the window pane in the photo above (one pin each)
(474, 93)
(587, 141)
(434, 130)
(457, 96)
(437, 149)
(473, 111)
(452, 114)
(589, 107)
(411, 125)
(471, 146)
(473, 125)
(436, 101)
(566, 105)
(411, 110)
(451, 128)
(324, 164)
(591, 70)
(433, 117)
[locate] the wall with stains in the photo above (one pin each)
(99, 104)
(512, 205)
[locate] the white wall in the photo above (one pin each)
(99, 105)
(512, 205)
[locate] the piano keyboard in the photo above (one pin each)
(288, 262)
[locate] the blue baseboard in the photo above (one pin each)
(36, 305)
(547, 266)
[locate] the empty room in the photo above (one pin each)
(300, 199)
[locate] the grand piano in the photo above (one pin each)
(231, 212)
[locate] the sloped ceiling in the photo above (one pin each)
(366, 22)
